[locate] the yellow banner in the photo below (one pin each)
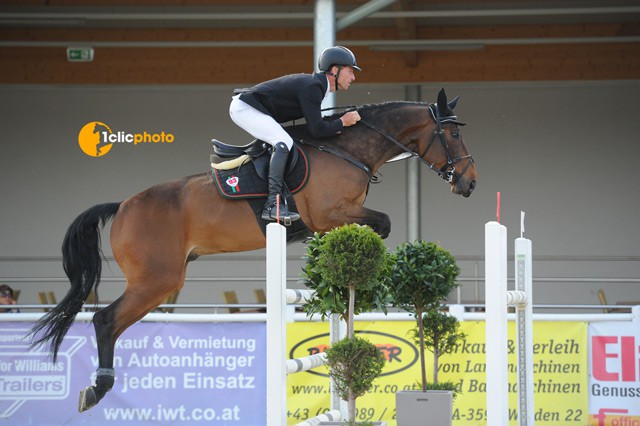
(560, 372)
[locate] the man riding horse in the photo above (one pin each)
(259, 110)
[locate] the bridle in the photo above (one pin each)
(448, 170)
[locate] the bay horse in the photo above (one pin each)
(156, 233)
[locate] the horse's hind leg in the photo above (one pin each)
(149, 242)
(105, 375)
(111, 322)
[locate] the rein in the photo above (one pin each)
(448, 170)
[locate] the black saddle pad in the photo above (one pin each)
(243, 182)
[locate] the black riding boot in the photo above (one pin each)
(277, 166)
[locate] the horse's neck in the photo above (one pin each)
(365, 144)
(386, 141)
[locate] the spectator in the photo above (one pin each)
(7, 298)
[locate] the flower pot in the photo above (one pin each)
(413, 407)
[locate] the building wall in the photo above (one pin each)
(565, 153)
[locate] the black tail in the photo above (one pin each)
(82, 262)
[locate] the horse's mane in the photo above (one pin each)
(367, 112)
(377, 108)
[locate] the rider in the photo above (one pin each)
(259, 110)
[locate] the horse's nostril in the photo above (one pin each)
(472, 185)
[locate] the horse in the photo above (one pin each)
(156, 233)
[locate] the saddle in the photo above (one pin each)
(242, 171)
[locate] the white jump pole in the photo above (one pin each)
(497, 300)
(276, 325)
(495, 260)
(278, 296)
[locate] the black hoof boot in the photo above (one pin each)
(88, 399)
(90, 396)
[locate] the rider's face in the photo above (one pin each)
(346, 77)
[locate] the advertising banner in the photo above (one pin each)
(560, 379)
(614, 374)
(166, 373)
(189, 373)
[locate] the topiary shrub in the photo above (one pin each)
(348, 269)
(354, 364)
(422, 277)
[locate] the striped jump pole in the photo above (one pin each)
(310, 362)
(298, 296)
(524, 331)
(333, 415)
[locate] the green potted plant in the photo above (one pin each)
(441, 335)
(347, 267)
(422, 276)
(354, 363)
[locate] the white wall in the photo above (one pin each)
(566, 153)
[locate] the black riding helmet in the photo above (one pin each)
(337, 55)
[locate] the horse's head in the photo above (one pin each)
(441, 146)
(407, 129)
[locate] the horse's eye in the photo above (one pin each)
(455, 134)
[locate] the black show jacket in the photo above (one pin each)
(292, 97)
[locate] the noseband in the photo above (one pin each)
(448, 170)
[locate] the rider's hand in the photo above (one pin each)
(350, 118)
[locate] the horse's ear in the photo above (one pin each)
(442, 101)
(453, 103)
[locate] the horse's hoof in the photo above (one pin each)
(88, 399)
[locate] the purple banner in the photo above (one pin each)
(166, 374)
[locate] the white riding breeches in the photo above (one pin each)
(258, 124)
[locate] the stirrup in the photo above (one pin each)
(286, 217)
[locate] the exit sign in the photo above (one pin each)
(79, 54)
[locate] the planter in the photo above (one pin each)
(413, 407)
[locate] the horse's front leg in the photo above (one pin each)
(323, 209)
(378, 221)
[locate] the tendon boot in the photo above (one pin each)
(277, 166)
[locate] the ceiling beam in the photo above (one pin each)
(49, 15)
(552, 62)
(404, 44)
(361, 12)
